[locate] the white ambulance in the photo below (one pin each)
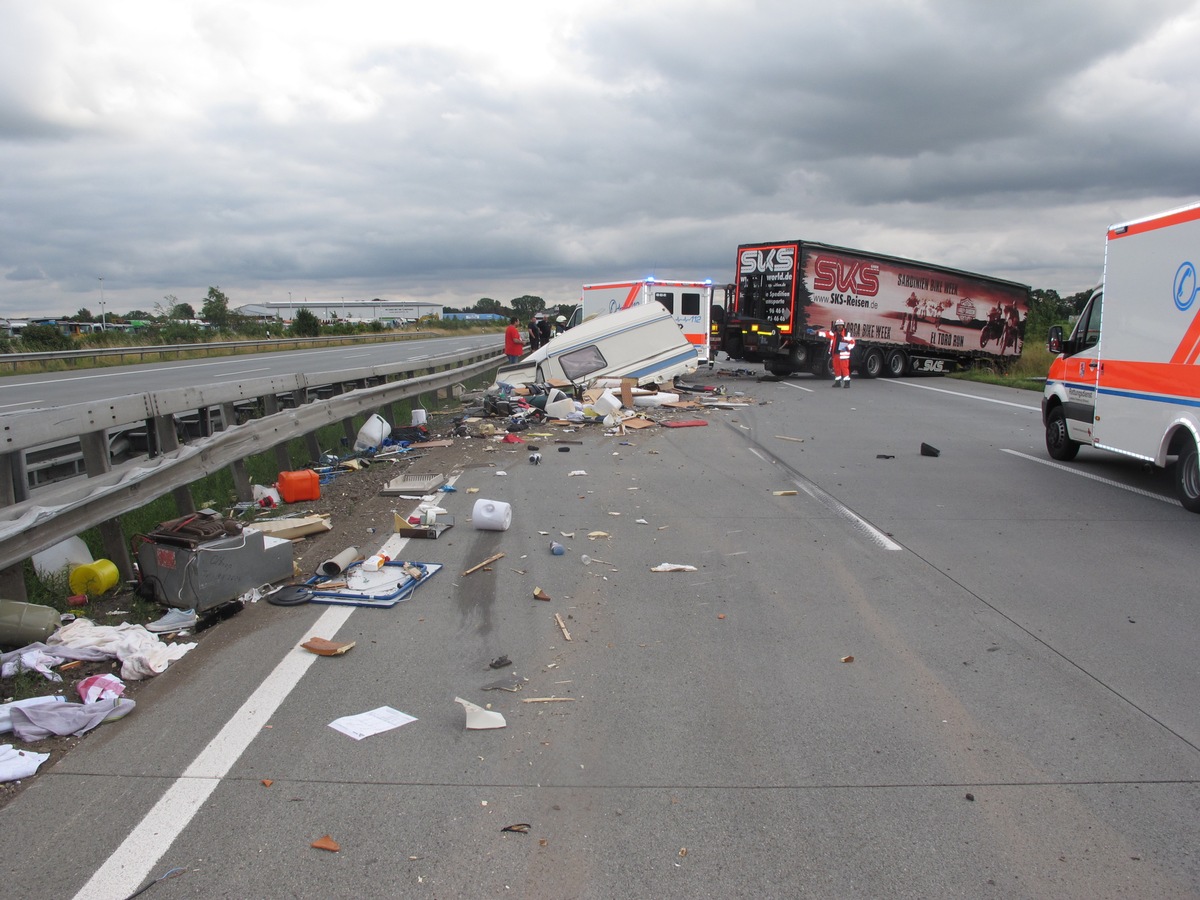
(1127, 380)
(688, 302)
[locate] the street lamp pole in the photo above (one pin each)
(103, 321)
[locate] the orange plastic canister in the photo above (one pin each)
(296, 487)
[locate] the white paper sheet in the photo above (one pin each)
(373, 721)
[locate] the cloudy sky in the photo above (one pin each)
(466, 149)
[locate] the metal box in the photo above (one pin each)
(215, 572)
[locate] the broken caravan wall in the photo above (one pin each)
(641, 342)
(689, 302)
(930, 316)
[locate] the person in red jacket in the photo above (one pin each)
(841, 342)
(513, 348)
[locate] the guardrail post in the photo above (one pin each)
(237, 468)
(168, 441)
(13, 482)
(283, 462)
(96, 462)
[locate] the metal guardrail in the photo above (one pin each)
(223, 347)
(66, 509)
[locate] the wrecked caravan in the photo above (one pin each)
(641, 342)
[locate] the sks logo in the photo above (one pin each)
(775, 259)
(855, 277)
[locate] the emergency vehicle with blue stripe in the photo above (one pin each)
(1127, 380)
(688, 302)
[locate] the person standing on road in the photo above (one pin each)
(841, 342)
(512, 341)
(544, 330)
(535, 335)
(560, 324)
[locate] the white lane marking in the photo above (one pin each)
(115, 373)
(141, 850)
(21, 403)
(925, 387)
(1074, 471)
(246, 371)
(829, 502)
(799, 387)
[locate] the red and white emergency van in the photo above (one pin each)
(1127, 380)
(689, 302)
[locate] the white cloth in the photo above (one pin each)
(141, 653)
(18, 764)
(32, 723)
(31, 661)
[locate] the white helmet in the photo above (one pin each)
(839, 322)
(561, 319)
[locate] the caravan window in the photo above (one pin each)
(580, 363)
(667, 299)
(689, 304)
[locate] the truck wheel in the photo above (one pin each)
(734, 346)
(780, 368)
(821, 366)
(1058, 441)
(896, 364)
(1187, 477)
(872, 364)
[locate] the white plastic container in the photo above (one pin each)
(371, 435)
(419, 417)
(491, 515)
(64, 555)
(606, 404)
(559, 405)
(376, 562)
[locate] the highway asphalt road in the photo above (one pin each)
(1018, 720)
(20, 393)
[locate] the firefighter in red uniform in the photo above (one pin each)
(841, 342)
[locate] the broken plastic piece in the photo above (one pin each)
(480, 719)
(519, 828)
(323, 647)
(267, 782)
(500, 662)
(847, 659)
(927, 450)
(672, 567)
(326, 843)
(539, 594)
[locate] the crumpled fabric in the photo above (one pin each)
(18, 764)
(32, 723)
(142, 654)
(100, 687)
(31, 661)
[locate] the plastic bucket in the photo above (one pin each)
(606, 404)
(26, 623)
(419, 417)
(491, 515)
(94, 578)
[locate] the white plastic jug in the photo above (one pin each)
(371, 435)
(419, 417)
(491, 515)
(559, 405)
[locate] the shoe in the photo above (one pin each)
(836, 382)
(846, 383)
(175, 620)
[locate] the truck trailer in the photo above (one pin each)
(688, 302)
(906, 316)
(1127, 380)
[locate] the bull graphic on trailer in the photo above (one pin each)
(906, 316)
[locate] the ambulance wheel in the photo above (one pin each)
(1058, 440)
(872, 364)
(1187, 477)
(896, 364)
